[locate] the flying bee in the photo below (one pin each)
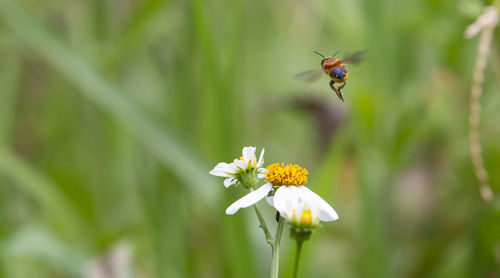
(334, 68)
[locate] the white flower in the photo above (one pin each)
(247, 171)
(297, 203)
(302, 207)
(239, 168)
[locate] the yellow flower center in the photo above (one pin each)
(279, 175)
(306, 218)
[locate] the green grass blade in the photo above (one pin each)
(42, 189)
(161, 144)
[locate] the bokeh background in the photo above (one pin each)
(112, 113)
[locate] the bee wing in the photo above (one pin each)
(355, 58)
(310, 75)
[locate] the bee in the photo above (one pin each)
(334, 68)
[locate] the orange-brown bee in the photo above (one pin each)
(334, 68)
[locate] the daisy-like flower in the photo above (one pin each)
(297, 203)
(247, 171)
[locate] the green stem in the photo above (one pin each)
(276, 253)
(297, 259)
(269, 237)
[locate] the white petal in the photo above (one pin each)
(326, 212)
(261, 159)
(284, 198)
(223, 170)
(230, 181)
(248, 153)
(249, 199)
(241, 164)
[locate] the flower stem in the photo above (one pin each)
(269, 237)
(276, 253)
(297, 259)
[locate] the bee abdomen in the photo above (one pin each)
(338, 73)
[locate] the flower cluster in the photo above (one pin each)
(284, 186)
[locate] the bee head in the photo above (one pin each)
(338, 73)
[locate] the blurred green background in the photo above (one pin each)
(113, 112)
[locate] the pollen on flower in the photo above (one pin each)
(306, 218)
(279, 174)
(236, 159)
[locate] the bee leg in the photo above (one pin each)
(337, 91)
(343, 85)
